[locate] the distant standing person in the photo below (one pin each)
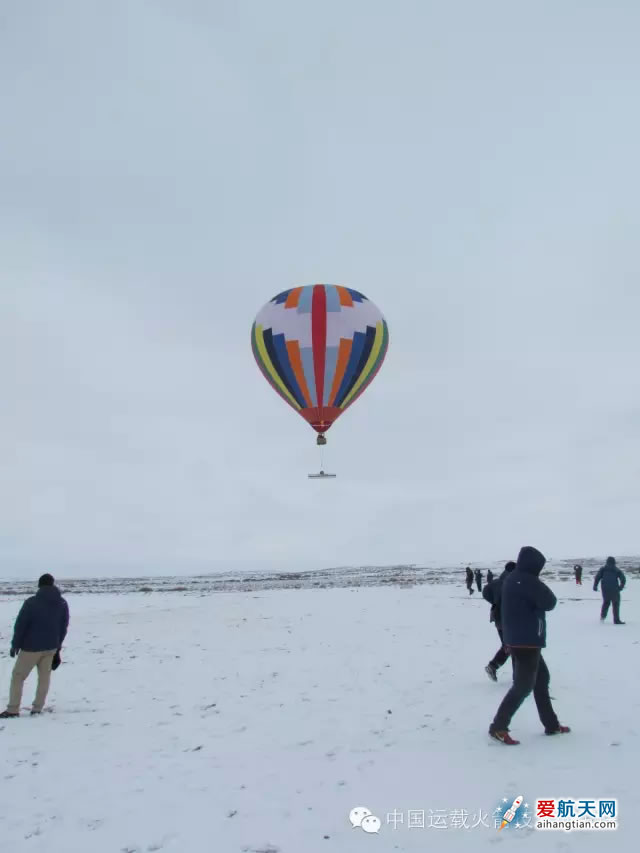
(478, 576)
(577, 570)
(38, 635)
(525, 601)
(612, 580)
(489, 576)
(469, 580)
(493, 594)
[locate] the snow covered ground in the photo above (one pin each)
(242, 722)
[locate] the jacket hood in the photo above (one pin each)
(530, 560)
(49, 593)
(510, 566)
(611, 562)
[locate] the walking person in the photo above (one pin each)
(490, 576)
(38, 635)
(469, 581)
(612, 581)
(577, 571)
(524, 602)
(493, 594)
(478, 577)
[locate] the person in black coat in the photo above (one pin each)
(612, 581)
(577, 571)
(525, 601)
(490, 576)
(469, 581)
(492, 593)
(478, 577)
(38, 635)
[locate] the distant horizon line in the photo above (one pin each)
(559, 562)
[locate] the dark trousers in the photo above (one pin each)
(529, 673)
(502, 655)
(615, 604)
(470, 587)
(479, 585)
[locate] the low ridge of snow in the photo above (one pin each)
(327, 578)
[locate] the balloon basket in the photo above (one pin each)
(321, 440)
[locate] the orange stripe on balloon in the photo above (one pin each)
(293, 350)
(344, 351)
(293, 298)
(345, 296)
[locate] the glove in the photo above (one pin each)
(13, 652)
(56, 660)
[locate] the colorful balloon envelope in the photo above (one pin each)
(320, 346)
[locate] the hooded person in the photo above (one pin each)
(524, 602)
(493, 593)
(612, 581)
(469, 579)
(38, 635)
(478, 577)
(490, 576)
(577, 571)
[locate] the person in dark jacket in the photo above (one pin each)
(525, 600)
(38, 635)
(577, 571)
(612, 581)
(492, 593)
(478, 577)
(489, 576)
(469, 581)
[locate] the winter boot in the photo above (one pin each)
(5, 715)
(491, 671)
(503, 737)
(561, 730)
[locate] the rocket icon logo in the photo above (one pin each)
(510, 813)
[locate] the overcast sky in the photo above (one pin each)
(167, 167)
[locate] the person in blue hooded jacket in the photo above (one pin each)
(612, 581)
(525, 600)
(38, 635)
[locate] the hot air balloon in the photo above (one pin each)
(319, 346)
